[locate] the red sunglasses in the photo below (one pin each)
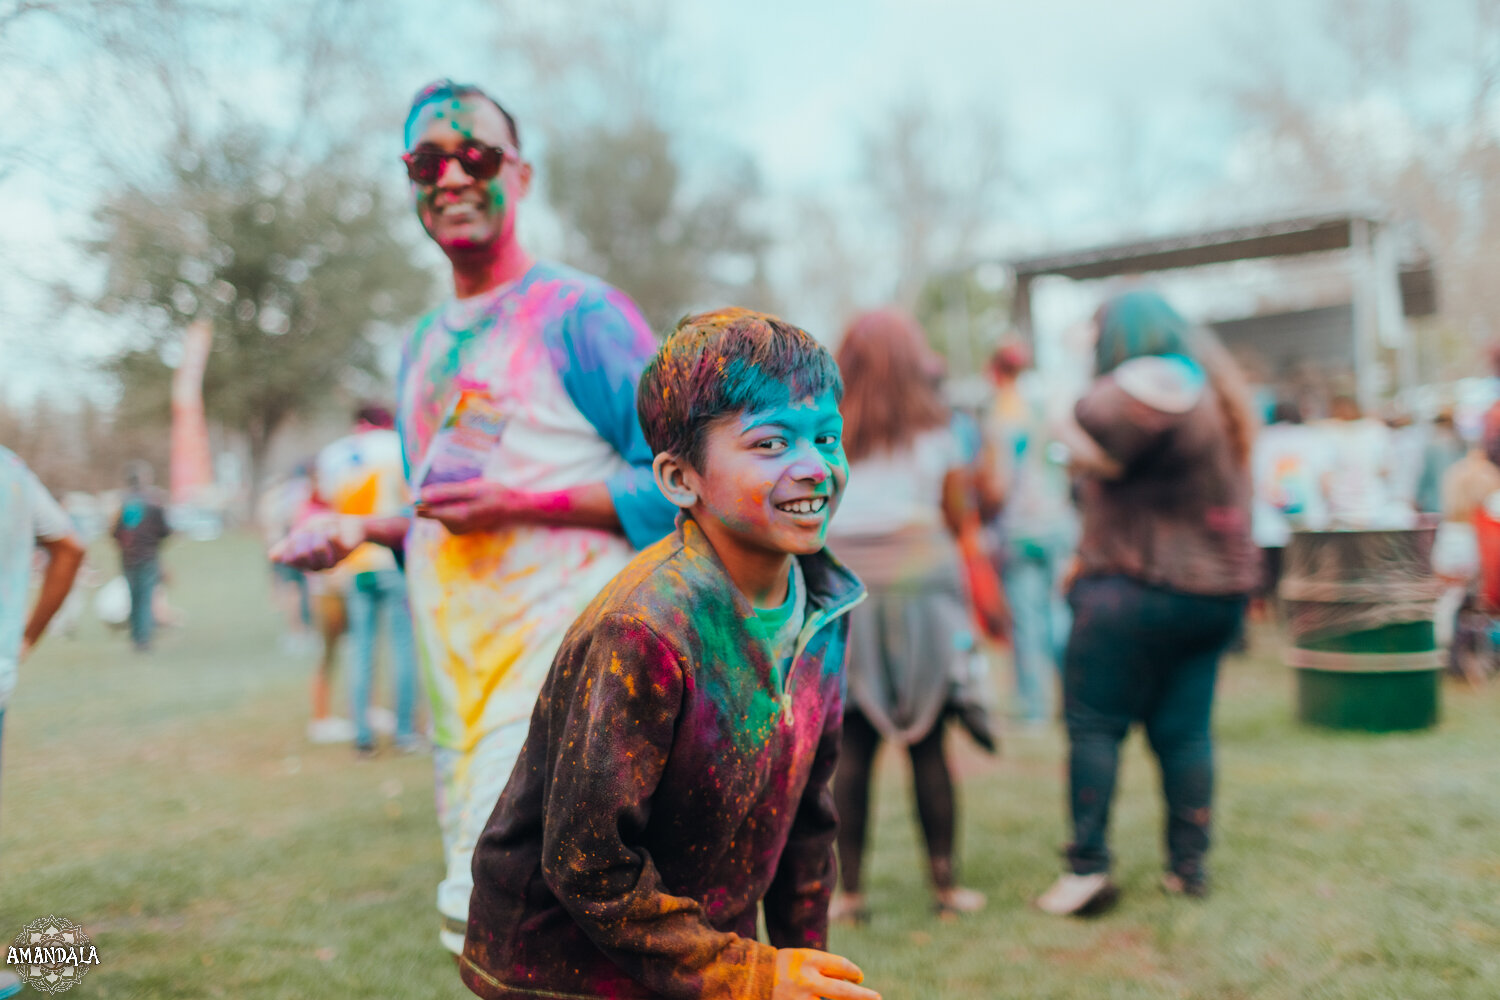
(478, 160)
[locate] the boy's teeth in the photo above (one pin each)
(803, 506)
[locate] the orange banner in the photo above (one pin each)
(192, 464)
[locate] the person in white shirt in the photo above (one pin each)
(1358, 476)
(1288, 464)
(29, 518)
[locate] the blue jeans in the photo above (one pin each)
(373, 595)
(304, 599)
(1032, 572)
(1143, 653)
(142, 581)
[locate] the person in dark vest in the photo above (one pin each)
(140, 529)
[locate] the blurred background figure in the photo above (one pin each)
(275, 514)
(913, 659)
(139, 530)
(327, 592)
(1026, 500)
(1288, 468)
(1441, 451)
(1162, 443)
(1358, 477)
(1408, 443)
(362, 475)
(1456, 552)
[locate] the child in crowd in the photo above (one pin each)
(675, 778)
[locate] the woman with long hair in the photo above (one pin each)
(1162, 444)
(911, 647)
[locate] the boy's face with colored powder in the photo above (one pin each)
(460, 213)
(770, 481)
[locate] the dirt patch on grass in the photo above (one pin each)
(1126, 951)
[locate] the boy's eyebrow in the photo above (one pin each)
(752, 422)
(774, 421)
(762, 425)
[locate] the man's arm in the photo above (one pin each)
(53, 531)
(479, 505)
(64, 556)
(599, 354)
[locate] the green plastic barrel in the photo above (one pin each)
(1359, 608)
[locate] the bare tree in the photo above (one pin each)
(295, 266)
(644, 198)
(1358, 133)
(934, 182)
(589, 60)
(630, 218)
(276, 225)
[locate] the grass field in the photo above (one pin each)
(171, 805)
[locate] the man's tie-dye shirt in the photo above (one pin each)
(552, 360)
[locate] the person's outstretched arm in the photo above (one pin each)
(54, 533)
(64, 556)
(323, 541)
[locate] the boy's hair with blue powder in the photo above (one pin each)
(724, 363)
(444, 90)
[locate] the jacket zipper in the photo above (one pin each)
(809, 629)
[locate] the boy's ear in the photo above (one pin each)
(675, 479)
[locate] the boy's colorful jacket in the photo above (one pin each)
(671, 780)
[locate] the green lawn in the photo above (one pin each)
(171, 805)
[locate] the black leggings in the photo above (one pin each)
(934, 793)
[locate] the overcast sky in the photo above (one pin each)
(795, 82)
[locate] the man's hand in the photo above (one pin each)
(474, 505)
(319, 542)
(808, 974)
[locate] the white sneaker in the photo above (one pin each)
(330, 730)
(1078, 895)
(382, 720)
(951, 903)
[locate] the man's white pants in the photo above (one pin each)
(468, 785)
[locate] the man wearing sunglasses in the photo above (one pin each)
(523, 450)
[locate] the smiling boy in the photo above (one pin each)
(675, 776)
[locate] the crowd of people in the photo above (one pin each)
(635, 637)
(667, 601)
(1351, 471)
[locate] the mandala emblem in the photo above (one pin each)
(51, 954)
